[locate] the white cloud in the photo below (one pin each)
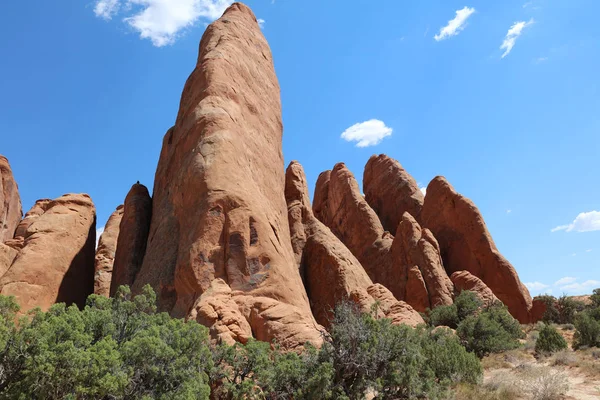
(106, 8)
(423, 190)
(512, 35)
(99, 232)
(508, 211)
(588, 250)
(584, 222)
(581, 288)
(456, 25)
(536, 286)
(261, 23)
(368, 133)
(565, 281)
(540, 60)
(162, 21)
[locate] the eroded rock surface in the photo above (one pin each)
(56, 262)
(105, 253)
(466, 244)
(133, 236)
(464, 280)
(391, 191)
(219, 210)
(10, 202)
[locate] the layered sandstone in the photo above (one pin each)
(133, 231)
(56, 262)
(466, 244)
(464, 280)
(391, 191)
(219, 213)
(10, 202)
(105, 253)
(331, 272)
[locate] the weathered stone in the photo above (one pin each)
(391, 191)
(105, 253)
(464, 280)
(56, 263)
(416, 247)
(38, 209)
(321, 199)
(218, 205)
(466, 244)
(7, 256)
(538, 310)
(132, 237)
(10, 202)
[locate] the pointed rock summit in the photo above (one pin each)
(219, 248)
(391, 191)
(105, 253)
(466, 244)
(133, 235)
(331, 273)
(10, 202)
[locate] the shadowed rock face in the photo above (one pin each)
(105, 253)
(56, 262)
(38, 209)
(463, 280)
(132, 238)
(430, 286)
(219, 245)
(391, 191)
(344, 210)
(10, 202)
(466, 244)
(331, 273)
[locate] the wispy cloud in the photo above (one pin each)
(261, 23)
(423, 190)
(161, 21)
(508, 211)
(584, 222)
(368, 133)
(581, 288)
(456, 25)
(540, 60)
(512, 35)
(565, 281)
(536, 286)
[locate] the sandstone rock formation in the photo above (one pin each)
(10, 202)
(331, 273)
(105, 253)
(219, 210)
(38, 209)
(344, 210)
(538, 310)
(7, 256)
(466, 244)
(464, 280)
(416, 247)
(133, 235)
(391, 191)
(56, 263)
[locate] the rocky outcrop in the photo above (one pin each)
(344, 210)
(466, 244)
(133, 235)
(219, 211)
(538, 309)
(7, 256)
(10, 202)
(464, 280)
(331, 273)
(56, 263)
(430, 286)
(387, 306)
(391, 191)
(105, 253)
(38, 209)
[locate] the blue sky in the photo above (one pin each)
(501, 97)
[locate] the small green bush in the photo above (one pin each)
(492, 331)
(595, 298)
(587, 329)
(550, 341)
(467, 303)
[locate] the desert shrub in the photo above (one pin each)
(491, 331)
(114, 348)
(542, 383)
(551, 314)
(595, 299)
(566, 358)
(567, 308)
(467, 303)
(550, 341)
(587, 329)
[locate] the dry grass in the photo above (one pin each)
(508, 359)
(566, 358)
